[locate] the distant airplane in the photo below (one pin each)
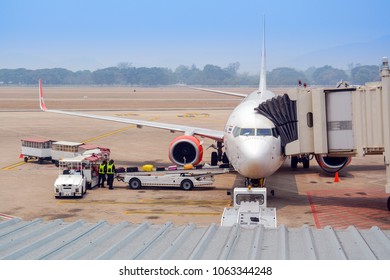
(251, 141)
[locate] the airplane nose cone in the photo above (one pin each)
(254, 149)
(256, 157)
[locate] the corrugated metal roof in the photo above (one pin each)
(61, 240)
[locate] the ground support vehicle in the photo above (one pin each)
(35, 148)
(77, 174)
(64, 149)
(88, 149)
(249, 209)
(183, 178)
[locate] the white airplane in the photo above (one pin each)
(252, 142)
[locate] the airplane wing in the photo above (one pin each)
(223, 92)
(187, 130)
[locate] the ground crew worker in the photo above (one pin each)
(110, 174)
(102, 173)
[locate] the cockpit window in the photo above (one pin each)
(254, 131)
(247, 131)
(236, 131)
(264, 132)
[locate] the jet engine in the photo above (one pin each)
(332, 164)
(185, 149)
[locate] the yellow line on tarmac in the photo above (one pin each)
(13, 165)
(114, 132)
(108, 134)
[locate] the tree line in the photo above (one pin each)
(212, 75)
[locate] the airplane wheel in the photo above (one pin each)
(388, 203)
(135, 183)
(186, 184)
(256, 183)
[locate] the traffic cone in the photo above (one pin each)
(336, 177)
(21, 156)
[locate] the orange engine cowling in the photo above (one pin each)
(332, 164)
(185, 150)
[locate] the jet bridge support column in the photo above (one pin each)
(385, 75)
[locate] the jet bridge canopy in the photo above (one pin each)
(282, 112)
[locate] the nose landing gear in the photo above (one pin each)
(257, 183)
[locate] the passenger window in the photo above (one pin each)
(247, 131)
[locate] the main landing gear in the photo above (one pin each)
(219, 155)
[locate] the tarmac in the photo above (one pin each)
(302, 196)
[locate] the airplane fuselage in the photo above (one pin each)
(251, 142)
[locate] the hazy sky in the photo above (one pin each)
(93, 34)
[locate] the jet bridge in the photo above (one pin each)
(335, 124)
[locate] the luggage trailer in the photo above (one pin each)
(184, 178)
(36, 148)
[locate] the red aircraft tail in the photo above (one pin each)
(41, 101)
